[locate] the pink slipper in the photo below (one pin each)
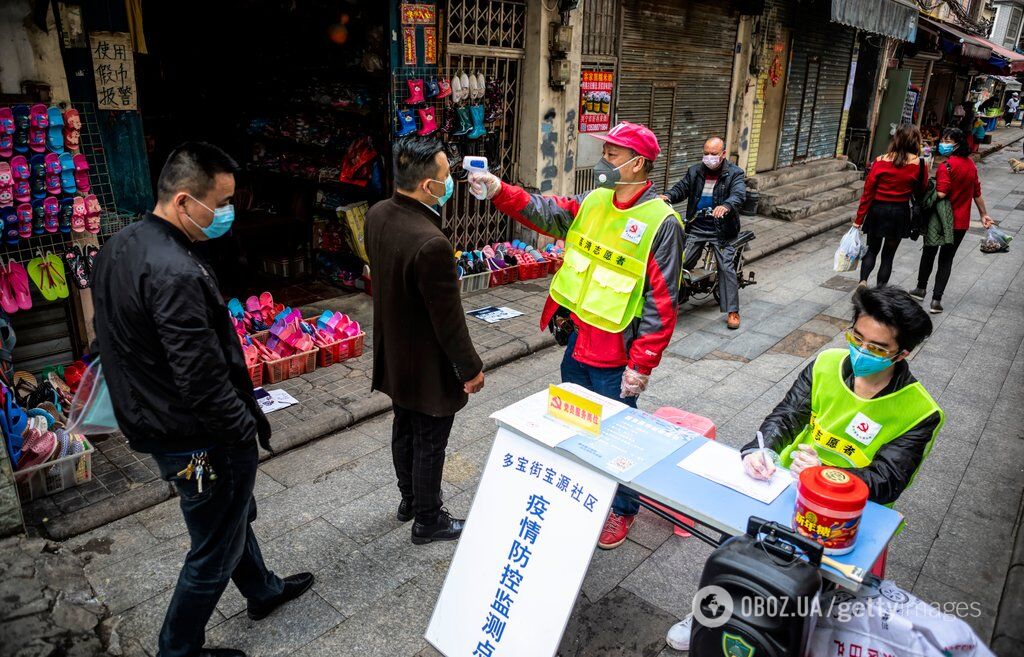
(21, 175)
(78, 212)
(6, 121)
(37, 448)
(25, 221)
(50, 208)
(92, 214)
(18, 278)
(81, 173)
(7, 300)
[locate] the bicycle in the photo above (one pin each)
(702, 281)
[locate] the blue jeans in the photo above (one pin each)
(223, 544)
(606, 381)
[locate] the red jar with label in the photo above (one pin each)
(829, 505)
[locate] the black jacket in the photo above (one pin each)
(172, 360)
(730, 190)
(894, 463)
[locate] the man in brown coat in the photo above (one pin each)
(423, 357)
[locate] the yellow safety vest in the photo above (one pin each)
(847, 430)
(606, 253)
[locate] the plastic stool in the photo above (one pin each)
(879, 568)
(693, 422)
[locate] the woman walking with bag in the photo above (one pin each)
(884, 213)
(956, 184)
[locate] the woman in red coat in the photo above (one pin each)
(957, 180)
(884, 212)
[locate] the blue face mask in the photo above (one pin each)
(866, 364)
(946, 149)
(449, 189)
(222, 220)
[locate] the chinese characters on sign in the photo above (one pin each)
(430, 45)
(409, 46)
(414, 14)
(113, 66)
(596, 100)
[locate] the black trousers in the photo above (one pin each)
(875, 244)
(945, 253)
(223, 545)
(418, 442)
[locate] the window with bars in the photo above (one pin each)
(1013, 27)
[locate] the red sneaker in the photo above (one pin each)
(616, 528)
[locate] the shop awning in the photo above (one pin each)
(1014, 61)
(1011, 84)
(893, 18)
(971, 47)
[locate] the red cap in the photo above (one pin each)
(833, 488)
(634, 136)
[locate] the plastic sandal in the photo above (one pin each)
(81, 173)
(78, 214)
(25, 220)
(9, 219)
(67, 173)
(21, 127)
(75, 263)
(21, 174)
(66, 214)
(7, 300)
(18, 278)
(36, 449)
(55, 131)
(38, 217)
(51, 208)
(91, 252)
(92, 214)
(49, 282)
(37, 182)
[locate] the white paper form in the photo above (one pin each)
(724, 465)
(529, 415)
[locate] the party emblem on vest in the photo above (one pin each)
(735, 646)
(634, 231)
(863, 429)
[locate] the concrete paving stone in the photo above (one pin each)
(143, 621)
(670, 576)
(620, 625)
(394, 625)
(823, 326)
(1000, 457)
(697, 345)
(712, 369)
(609, 567)
(376, 468)
(287, 628)
(298, 505)
(368, 517)
(750, 345)
(396, 552)
(771, 366)
(948, 598)
(464, 466)
(678, 387)
(780, 324)
(112, 543)
(824, 296)
(1011, 611)
(904, 575)
(963, 422)
(800, 343)
(355, 582)
(948, 459)
(981, 558)
(126, 583)
(738, 390)
(308, 548)
(982, 496)
(649, 530)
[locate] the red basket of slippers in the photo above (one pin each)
(337, 336)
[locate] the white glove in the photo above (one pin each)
(759, 465)
(633, 383)
(804, 457)
(485, 185)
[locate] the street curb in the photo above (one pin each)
(999, 147)
(811, 231)
(132, 501)
(1008, 629)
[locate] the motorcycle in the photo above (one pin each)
(702, 281)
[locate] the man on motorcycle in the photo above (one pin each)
(718, 185)
(620, 279)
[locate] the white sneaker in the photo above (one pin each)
(679, 634)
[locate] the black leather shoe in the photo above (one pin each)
(294, 586)
(221, 652)
(446, 528)
(404, 511)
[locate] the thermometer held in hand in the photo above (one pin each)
(476, 164)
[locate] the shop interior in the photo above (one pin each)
(306, 118)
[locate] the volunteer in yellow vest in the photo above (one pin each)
(615, 296)
(859, 408)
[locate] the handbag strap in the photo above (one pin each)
(920, 177)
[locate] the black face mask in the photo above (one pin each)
(608, 176)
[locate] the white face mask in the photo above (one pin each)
(712, 161)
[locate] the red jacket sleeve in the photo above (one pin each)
(661, 298)
(943, 181)
(548, 215)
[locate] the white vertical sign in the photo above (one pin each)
(521, 559)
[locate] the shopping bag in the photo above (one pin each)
(996, 241)
(92, 412)
(850, 250)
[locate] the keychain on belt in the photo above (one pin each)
(199, 466)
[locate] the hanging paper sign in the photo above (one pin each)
(417, 14)
(596, 100)
(409, 46)
(430, 45)
(113, 67)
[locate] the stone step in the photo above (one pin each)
(795, 191)
(769, 179)
(833, 198)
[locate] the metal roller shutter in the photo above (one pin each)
(675, 74)
(918, 68)
(816, 88)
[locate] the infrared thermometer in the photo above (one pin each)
(476, 164)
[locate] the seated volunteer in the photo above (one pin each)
(719, 184)
(858, 408)
(620, 279)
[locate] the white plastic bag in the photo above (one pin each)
(850, 250)
(92, 412)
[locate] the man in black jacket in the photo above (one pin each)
(718, 185)
(423, 357)
(181, 391)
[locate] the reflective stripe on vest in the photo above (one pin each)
(606, 252)
(847, 430)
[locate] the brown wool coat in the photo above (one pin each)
(422, 352)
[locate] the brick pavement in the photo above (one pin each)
(328, 506)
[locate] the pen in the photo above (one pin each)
(760, 446)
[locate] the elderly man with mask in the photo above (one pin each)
(717, 184)
(620, 281)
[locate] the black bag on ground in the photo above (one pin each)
(773, 589)
(918, 213)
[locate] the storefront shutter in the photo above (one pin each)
(675, 73)
(815, 89)
(918, 69)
